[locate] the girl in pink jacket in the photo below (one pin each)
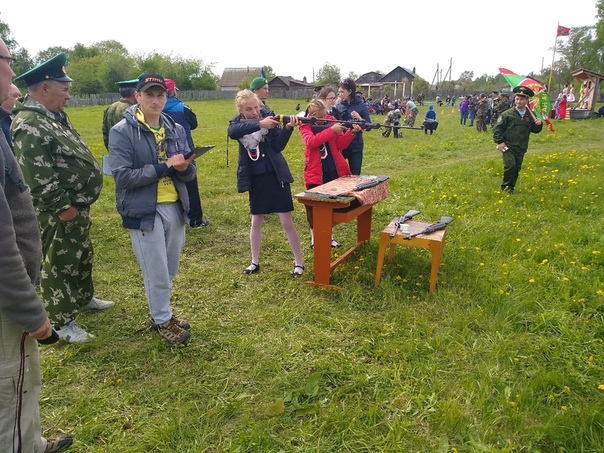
(323, 152)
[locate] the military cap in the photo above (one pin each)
(127, 83)
(150, 79)
(523, 91)
(258, 82)
(504, 93)
(52, 69)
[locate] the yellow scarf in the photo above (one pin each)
(166, 191)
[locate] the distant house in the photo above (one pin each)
(401, 78)
(233, 77)
(370, 77)
(286, 86)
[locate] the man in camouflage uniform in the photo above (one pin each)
(482, 109)
(65, 179)
(393, 117)
(502, 104)
(512, 132)
(115, 112)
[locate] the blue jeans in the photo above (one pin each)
(158, 253)
(355, 160)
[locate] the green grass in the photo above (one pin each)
(505, 356)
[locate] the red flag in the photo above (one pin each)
(563, 31)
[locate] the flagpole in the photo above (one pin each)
(551, 69)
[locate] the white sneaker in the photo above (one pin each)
(72, 333)
(96, 304)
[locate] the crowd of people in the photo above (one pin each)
(51, 179)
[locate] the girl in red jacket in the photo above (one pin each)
(323, 153)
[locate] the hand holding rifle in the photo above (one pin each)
(441, 225)
(408, 216)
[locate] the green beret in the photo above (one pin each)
(504, 93)
(53, 69)
(523, 91)
(127, 83)
(258, 82)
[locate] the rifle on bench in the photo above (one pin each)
(441, 225)
(408, 216)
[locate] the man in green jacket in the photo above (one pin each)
(65, 179)
(512, 132)
(115, 112)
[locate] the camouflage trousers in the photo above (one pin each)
(66, 277)
(481, 123)
(512, 164)
(411, 117)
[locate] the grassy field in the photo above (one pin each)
(505, 356)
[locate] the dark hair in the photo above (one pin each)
(350, 85)
(126, 92)
(325, 91)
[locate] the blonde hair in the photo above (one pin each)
(243, 97)
(315, 106)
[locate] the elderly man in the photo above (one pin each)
(23, 319)
(65, 179)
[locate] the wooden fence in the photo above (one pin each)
(86, 100)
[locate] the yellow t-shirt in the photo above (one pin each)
(166, 190)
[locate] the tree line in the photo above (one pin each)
(96, 68)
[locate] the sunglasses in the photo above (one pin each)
(10, 60)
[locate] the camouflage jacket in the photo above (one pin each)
(502, 105)
(514, 130)
(57, 165)
(482, 107)
(113, 115)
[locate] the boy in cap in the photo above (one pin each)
(146, 158)
(512, 132)
(65, 179)
(259, 87)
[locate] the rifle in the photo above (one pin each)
(408, 216)
(441, 225)
(324, 123)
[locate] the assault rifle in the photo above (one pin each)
(441, 225)
(408, 216)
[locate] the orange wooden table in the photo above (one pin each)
(434, 242)
(333, 203)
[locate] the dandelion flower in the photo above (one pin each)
(512, 403)
(532, 280)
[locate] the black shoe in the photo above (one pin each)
(58, 444)
(199, 224)
(252, 269)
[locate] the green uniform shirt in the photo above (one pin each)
(57, 165)
(113, 115)
(514, 130)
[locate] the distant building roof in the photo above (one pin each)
(232, 77)
(289, 82)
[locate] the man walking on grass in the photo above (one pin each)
(512, 132)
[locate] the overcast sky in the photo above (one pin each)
(297, 38)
